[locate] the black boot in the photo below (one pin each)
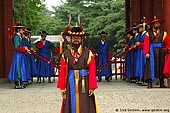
(143, 83)
(107, 79)
(138, 80)
(43, 79)
(162, 85)
(149, 84)
(49, 80)
(38, 80)
(130, 80)
(99, 79)
(17, 85)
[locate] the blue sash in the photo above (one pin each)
(152, 64)
(141, 58)
(84, 73)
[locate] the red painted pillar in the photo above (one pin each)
(135, 11)
(8, 21)
(166, 18)
(6, 47)
(128, 11)
(2, 45)
(157, 9)
(146, 9)
(166, 15)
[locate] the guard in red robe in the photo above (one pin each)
(155, 40)
(167, 57)
(166, 70)
(77, 76)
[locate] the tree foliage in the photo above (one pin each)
(29, 13)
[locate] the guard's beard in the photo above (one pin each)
(75, 46)
(157, 28)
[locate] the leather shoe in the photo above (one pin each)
(50, 81)
(163, 86)
(149, 86)
(143, 84)
(108, 80)
(99, 80)
(18, 87)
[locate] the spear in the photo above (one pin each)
(112, 61)
(44, 59)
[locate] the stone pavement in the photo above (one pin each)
(113, 97)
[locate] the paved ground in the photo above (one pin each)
(115, 97)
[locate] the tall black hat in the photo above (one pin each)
(17, 25)
(103, 33)
(27, 29)
(14, 28)
(43, 32)
(135, 26)
(128, 31)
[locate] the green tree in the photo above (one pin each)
(52, 24)
(28, 12)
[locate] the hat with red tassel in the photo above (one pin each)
(155, 19)
(13, 28)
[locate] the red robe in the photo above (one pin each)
(167, 57)
(166, 42)
(92, 73)
(147, 42)
(83, 59)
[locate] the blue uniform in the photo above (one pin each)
(31, 61)
(103, 58)
(140, 58)
(45, 69)
(129, 60)
(19, 68)
(135, 57)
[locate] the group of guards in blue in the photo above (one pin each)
(147, 46)
(24, 65)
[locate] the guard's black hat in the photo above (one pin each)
(128, 31)
(17, 25)
(43, 33)
(135, 26)
(103, 33)
(27, 29)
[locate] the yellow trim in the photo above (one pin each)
(147, 34)
(97, 108)
(164, 35)
(76, 72)
(63, 57)
(77, 103)
(89, 58)
(79, 51)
